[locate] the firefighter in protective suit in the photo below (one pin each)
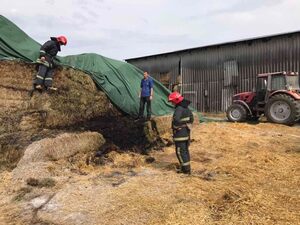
(182, 118)
(48, 51)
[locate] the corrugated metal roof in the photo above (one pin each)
(219, 44)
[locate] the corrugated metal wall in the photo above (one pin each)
(162, 68)
(211, 75)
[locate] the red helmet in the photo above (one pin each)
(62, 39)
(175, 98)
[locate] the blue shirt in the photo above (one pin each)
(146, 85)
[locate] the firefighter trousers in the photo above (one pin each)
(183, 155)
(44, 76)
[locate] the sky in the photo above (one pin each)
(123, 29)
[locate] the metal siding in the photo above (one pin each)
(203, 68)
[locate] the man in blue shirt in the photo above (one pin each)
(146, 95)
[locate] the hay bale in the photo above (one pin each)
(62, 147)
(39, 156)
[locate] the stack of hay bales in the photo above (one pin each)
(24, 119)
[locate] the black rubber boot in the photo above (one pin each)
(186, 169)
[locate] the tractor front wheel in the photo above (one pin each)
(283, 109)
(236, 113)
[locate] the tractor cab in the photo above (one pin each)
(269, 83)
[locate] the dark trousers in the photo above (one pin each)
(143, 101)
(44, 76)
(183, 155)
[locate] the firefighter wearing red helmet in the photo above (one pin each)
(48, 51)
(182, 117)
(62, 39)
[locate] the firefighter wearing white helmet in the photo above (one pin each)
(181, 131)
(48, 51)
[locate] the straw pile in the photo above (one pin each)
(242, 174)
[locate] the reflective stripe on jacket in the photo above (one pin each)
(181, 117)
(49, 50)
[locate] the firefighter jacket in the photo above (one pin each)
(49, 50)
(181, 118)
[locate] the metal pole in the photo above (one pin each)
(181, 74)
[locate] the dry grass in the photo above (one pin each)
(46, 182)
(242, 174)
(214, 115)
(256, 170)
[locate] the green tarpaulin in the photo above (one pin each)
(119, 80)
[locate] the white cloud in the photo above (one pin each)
(129, 28)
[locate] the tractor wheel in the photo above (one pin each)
(283, 109)
(236, 113)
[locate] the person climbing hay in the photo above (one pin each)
(48, 51)
(182, 117)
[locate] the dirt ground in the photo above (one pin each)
(242, 174)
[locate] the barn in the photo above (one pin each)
(210, 75)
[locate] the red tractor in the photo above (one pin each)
(277, 96)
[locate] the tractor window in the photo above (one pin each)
(293, 82)
(261, 89)
(278, 83)
(262, 84)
